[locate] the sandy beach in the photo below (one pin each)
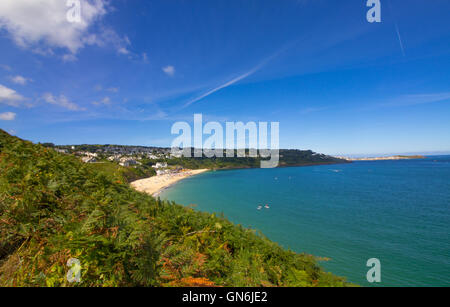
(154, 185)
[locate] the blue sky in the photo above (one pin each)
(336, 83)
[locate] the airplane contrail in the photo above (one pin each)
(231, 82)
(237, 79)
(397, 30)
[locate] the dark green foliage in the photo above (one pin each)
(128, 174)
(53, 208)
(288, 157)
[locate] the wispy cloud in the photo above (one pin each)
(100, 88)
(113, 89)
(145, 58)
(19, 80)
(409, 100)
(7, 116)
(235, 80)
(10, 97)
(105, 101)
(5, 67)
(312, 110)
(169, 70)
(123, 50)
(61, 101)
(69, 57)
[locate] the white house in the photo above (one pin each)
(127, 161)
(160, 165)
(88, 159)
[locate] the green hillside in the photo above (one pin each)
(53, 208)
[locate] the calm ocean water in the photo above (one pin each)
(396, 211)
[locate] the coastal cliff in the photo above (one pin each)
(54, 208)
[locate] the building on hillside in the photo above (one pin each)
(161, 172)
(153, 157)
(160, 165)
(114, 158)
(86, 154)
(88, 159)
(127, 161)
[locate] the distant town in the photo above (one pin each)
(126, 156)
(149, 161)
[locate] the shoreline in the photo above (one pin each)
(156, 184)
(388, 158)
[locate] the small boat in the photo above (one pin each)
(266, 206)
(259, 207)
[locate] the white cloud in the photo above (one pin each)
(61, 101)
(19, 80)
(416, 99)
(312, 110)
(108, 36)
(69, 57)
(9, 96)
(169, 70)
(100, 88)
(5, 67)
(123, 50)
(43, 25)
(43, 51)
(7, 116)
(105, 101)
(145, 58)
(113, 90)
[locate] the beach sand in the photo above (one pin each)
(154, 185)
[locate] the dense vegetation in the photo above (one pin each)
(288, 157)
(53, 208)
(129, 174)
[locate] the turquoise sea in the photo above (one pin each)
(396, 211)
